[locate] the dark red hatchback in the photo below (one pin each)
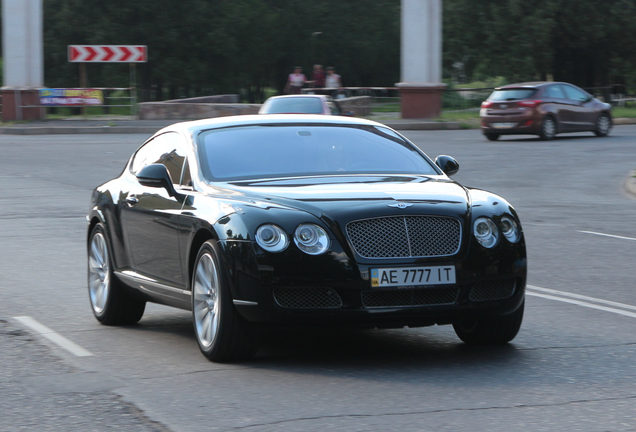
(544, 109)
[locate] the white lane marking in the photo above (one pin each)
(608, 235)
(584, 304)
(54, 337)
(582, 297)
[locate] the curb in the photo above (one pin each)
(423, 125)
(630, 184)
(85, 130)
(88, 130)
(624, 121)
(405, 125)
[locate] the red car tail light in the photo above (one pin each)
(486, 104)
(530, 103)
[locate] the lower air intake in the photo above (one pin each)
(307, 298)
(492, 290)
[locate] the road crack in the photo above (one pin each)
(437, 411)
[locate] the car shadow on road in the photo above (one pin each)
(334, 350)
(400, 350)
(505, 139)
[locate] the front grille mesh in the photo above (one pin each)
(492, 290)
(405, 236)
(409, 297)
(307, 298)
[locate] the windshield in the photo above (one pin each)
(511, 94)
(295, 105)
(270, 151)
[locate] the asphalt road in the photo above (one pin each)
(570, 368)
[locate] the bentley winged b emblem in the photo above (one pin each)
(401, 205)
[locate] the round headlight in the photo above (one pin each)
(272, 238)
(510, 229)
(311, 239)
(486, 232)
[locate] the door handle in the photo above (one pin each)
(131, 200)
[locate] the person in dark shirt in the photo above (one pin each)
(318, 76)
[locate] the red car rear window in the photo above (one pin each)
(512, 94)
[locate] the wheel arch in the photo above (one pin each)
(201, 236)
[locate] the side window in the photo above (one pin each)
(575, 94)
(166, 149)
(555, 91)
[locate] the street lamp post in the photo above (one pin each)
(314, 35)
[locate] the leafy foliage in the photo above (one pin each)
(585, 42)
(201, 47)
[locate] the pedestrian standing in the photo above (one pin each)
(295, 81)
(333, 79)
(318, 76)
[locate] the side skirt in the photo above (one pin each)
(156, 291)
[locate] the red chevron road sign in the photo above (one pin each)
(108, 53)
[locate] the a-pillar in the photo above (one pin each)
(421, 86)
(23, 59)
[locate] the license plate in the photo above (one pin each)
(412, 276)
(503, 125)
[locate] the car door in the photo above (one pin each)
(150, 215)
(560, 106)
(580, 115)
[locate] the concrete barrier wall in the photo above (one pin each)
(200, 108)
(192, 111)
(359, 105)
(220, 99)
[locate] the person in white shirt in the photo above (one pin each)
(333, 79)
(295, 81)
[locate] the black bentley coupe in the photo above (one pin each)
(301, 220)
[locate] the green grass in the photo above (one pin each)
(466, 119)
(387, 107)
(624, 112)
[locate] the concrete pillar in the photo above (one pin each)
(23, 58)
(421, 84)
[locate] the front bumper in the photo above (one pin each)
(293, 288)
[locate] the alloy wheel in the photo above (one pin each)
(549, 128)
(206, 300)
(603, 125)
(98, 273)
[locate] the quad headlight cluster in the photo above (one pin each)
(487, 233)
(310, 238)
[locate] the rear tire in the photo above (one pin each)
(222, 334)
(110, 299)
(548, 128)
(490, 332)
(492, 136)
(603, 125)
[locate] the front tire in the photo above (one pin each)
(221, 333)
(603, 125)
(112, 304)
(548, 128)
(490, 332)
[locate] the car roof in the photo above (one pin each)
(532, 84)
(247, 120)
(316, 96)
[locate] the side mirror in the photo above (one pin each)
(447, 164)
(156, 175)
